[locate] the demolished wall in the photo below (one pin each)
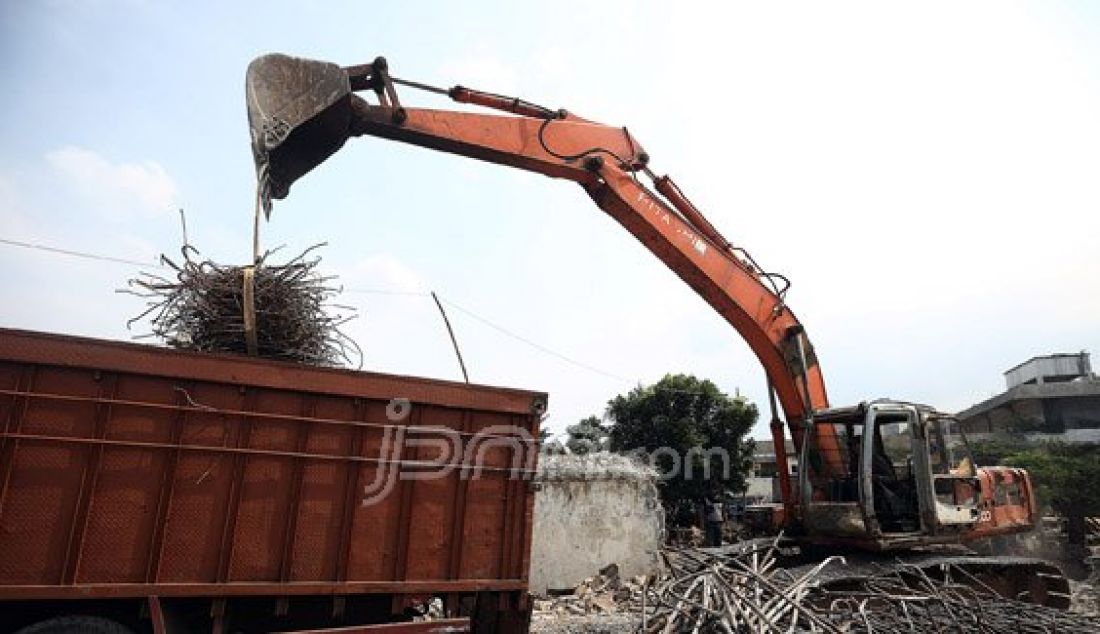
(592, 511)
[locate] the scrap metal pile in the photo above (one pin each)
(205, 306)
(746, 591)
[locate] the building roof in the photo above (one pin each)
(765, 448)
(1051, 368)
(1056, 355)
(1031, 391)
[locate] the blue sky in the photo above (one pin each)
(926, 174)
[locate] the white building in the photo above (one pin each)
(763, 482)
(1052, 397)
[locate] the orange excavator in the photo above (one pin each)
(882, 476)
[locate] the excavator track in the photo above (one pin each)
(1023, 579)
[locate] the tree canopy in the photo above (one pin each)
(1066, 476)
(692, 432)
(587, 436)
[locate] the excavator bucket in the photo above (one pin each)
(298, 115)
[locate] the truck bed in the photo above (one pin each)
(130, 470)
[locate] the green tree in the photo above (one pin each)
(694, 435)
(1066, 476)
(587, 436)
(992, 451)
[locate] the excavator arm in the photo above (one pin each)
(301, 111)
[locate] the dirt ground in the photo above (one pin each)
(585, 624)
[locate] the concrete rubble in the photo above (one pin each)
(603, 603)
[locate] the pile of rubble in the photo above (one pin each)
(603, 603)
(1086, 594)
(744, 589)
(606, 592)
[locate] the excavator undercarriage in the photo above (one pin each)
(1019, 578)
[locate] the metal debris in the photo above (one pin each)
(744, 588)
(746, 591)
(204, 308)
(732, 591)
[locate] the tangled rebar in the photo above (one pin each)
(205, 307)
(746, 590)
(906, 598)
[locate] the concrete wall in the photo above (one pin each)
(591, 511)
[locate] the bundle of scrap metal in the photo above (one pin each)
(907, 599)
(746, 591)
(282, 312)
(739, 591)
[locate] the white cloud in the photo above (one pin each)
(118, 188)
(13, 221)
(383, 271)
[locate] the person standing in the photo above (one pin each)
(714, 516)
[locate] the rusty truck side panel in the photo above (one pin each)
(131, 471)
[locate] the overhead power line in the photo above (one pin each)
(501, 329)
(497, 327)
(77, 254)
(537, 346)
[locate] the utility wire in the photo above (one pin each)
(379, 291)
(542, 348)
(365, 291)
(497, 327)
(78, 254)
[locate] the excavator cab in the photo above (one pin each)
(905, 477)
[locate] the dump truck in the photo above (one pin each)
(144, 489)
